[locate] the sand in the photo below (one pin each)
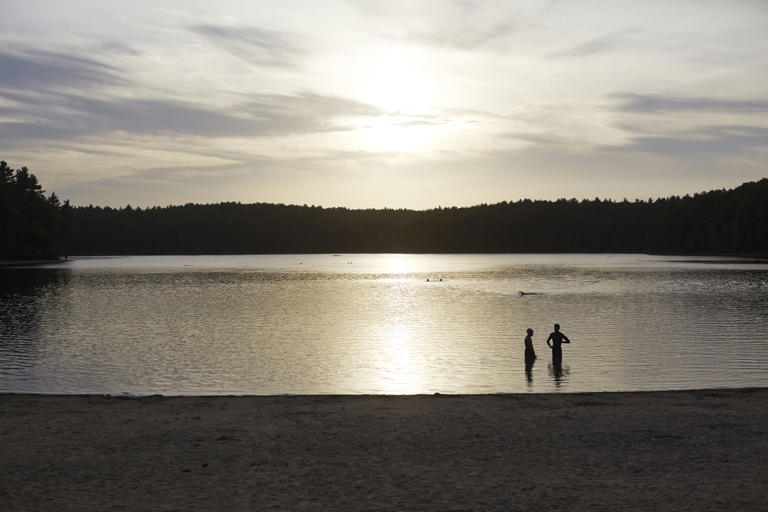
(687, 450)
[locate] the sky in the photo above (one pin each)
(391, 103)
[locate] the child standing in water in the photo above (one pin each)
(530, 354)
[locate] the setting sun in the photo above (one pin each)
(397, 85)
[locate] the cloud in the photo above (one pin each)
(150, 185)
(654, 104)
(35, 69)
(306, 105)
(464, 38)
(68, 116)
(42, 98)
(119, 48)
(540, 140)
(254, 45)
(594, 46)
(708, 142)
(693, 129)
(453, 24)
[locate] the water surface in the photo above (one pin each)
(381, 323)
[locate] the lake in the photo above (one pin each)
(381, 323)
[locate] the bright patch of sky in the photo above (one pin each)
(383, 103)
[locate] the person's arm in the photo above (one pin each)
(565, 339)
(548, 343)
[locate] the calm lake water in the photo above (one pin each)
(373, 323)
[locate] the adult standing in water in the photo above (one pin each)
(557, 338)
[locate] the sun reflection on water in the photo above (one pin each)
(401, 372)
(397, 264)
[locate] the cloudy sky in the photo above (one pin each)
(388, 103)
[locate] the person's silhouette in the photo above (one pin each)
(530, 354)
(557, 338)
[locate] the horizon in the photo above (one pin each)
(383, 105)
(438, 207)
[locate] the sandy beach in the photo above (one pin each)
(686, 450)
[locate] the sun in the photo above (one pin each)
(396, 82)
(403, 92)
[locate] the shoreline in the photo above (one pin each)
(643, 450)
(28, 263)
(320, 397)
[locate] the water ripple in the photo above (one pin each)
(154, 325)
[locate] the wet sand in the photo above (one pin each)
(687, 450)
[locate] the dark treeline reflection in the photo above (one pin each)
(29, 282)
(721, 221)
(24, 296)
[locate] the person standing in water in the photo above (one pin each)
(530, 354)
(557, 338)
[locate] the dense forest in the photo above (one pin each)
(32, 226)
(716, 222)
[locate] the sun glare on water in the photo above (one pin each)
(402, 371)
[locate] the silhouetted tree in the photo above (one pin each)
(31, 225)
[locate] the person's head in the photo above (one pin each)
(529, 331)
(557, 327)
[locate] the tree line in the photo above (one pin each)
(32, 226)
(716, 222)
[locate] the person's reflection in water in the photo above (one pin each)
(558, 373)
(529, 371)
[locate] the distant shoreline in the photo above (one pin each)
(17, 263)
(715, 222)
(667, 450)
(756, 257)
